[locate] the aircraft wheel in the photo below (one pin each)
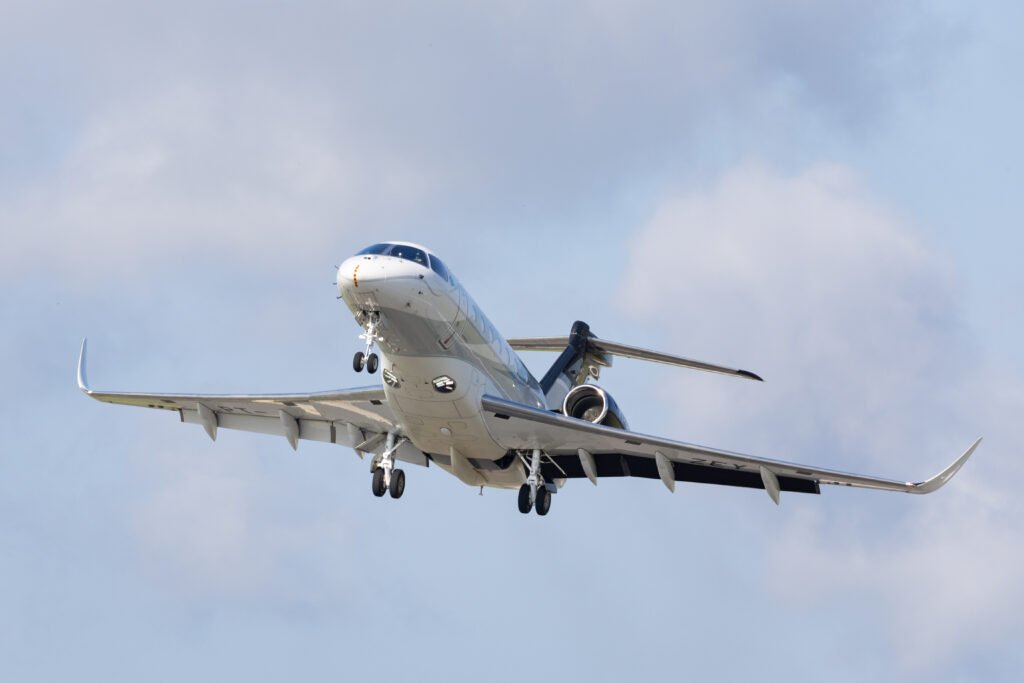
(378, 482)
(371, 363)
(358, 361)
(543, 503)
(524, 499)
(397, 487)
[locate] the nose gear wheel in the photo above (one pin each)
(368, 359)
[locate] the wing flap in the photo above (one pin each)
(623, 465)
(309, 430)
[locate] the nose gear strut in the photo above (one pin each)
(367, 359)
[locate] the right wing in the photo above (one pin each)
(358, 418)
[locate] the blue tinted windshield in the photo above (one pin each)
(398, 251)
(439, 268)
(409, 254)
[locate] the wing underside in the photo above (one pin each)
(577, 448)
(356, 418)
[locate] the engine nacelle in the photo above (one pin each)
(593, 404)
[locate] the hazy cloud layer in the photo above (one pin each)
(224, 531)
(225, 128)
(855, 323)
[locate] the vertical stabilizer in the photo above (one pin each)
(578, 362)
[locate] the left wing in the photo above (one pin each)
(577, 448)
(358, 418)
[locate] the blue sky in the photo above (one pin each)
(824, 193)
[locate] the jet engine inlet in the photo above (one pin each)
(593, 404)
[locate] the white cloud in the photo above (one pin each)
(229, 174)
(854, 321)
(261, 133)
(805, 279)
(946, 582)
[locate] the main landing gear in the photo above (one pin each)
(387, 479)
(534, 494)
(367, 359)
(363, 360)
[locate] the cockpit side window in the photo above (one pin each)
(409, 254)
(438, 267)
(375, 249)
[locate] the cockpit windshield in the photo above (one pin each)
(375, 249)
(439, 268)
(398, 251)
(404, 251)
(409, 254)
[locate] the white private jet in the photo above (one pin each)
(456, 395)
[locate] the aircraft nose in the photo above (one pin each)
(360, 274)
(345, 272)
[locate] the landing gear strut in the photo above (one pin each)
(385, 477)
(534, 494)
(368, 359)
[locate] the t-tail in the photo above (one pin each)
(583, 355)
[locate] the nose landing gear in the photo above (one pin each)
(367, 359)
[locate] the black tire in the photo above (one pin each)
(524, 499)
(371, 363)
(397, 487)
(543, 503)
(358, 361)
(378, 482)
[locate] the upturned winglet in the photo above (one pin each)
(83, 379)
(939, 480)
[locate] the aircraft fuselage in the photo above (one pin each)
(439, 355)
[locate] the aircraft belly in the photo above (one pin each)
(434, 421)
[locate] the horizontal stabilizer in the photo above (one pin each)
(624, 350)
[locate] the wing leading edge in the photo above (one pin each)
(577, 448)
